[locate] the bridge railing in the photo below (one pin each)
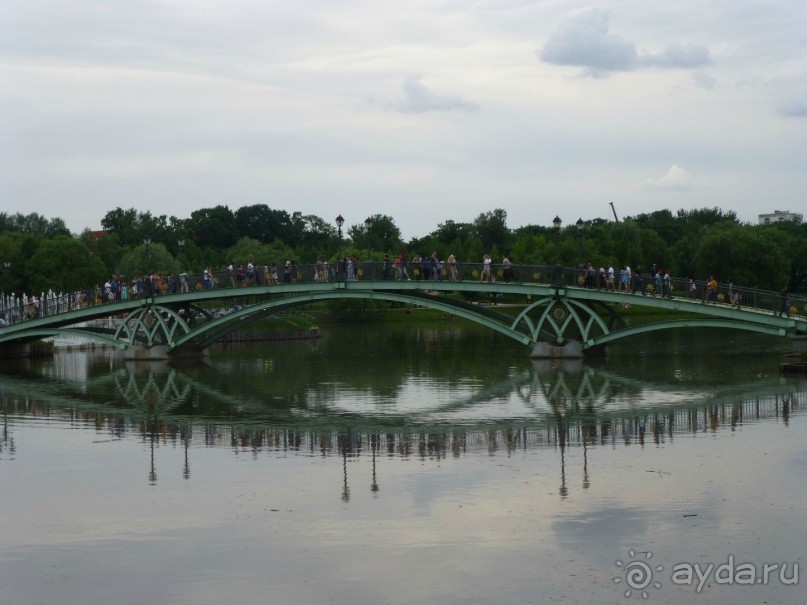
(15, 308)
(648, 284)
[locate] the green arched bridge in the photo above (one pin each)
(560, 313)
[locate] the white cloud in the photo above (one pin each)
(676, 179)
(586, 41)
(678, 55)
(418, 98)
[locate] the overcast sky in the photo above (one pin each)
(425, 110)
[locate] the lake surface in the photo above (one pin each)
(406, 464)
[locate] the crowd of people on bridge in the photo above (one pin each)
(655, 282)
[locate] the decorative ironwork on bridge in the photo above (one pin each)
(152, 325)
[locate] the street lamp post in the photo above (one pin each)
(149, 284)
(339, 264)
(557, 223)
(147, 243)
(368, 222)
(580, 224)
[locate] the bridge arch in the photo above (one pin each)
(710, 322)
(214, 330)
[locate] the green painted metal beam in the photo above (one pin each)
(684, 323)
(352, 293)
(47, 332)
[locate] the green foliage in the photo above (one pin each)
(530, 249)
(750, 258)
(276, 253)
(33, 223)
(215, 227)
(106, 248)
(259, 222)
(243, 251)
(655, 249)
(141, 259)
(491, 229)
(63, 264)
(316, 237)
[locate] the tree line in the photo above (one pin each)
(42, 254)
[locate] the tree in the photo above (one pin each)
(750, 257)
(663, 223)
(106, 248)
(385, 235)
(213, 227)
(706, 217)
(139, 262)
(491, 229)
(451, 233)
(124, 225)
(56, 227)
(262, 223)
(245, 249)
(64, 264)
(530, 249)
(317, 238)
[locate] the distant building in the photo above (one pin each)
(780, 215)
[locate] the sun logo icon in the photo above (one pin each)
(638, 574)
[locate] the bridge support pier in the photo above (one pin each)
(571, 349)
(161, 353)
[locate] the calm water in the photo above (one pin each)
(390, 464)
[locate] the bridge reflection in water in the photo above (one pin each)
(558, 405)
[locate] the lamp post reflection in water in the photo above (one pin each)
(344, 444)
(187, 433)
(152, 438)
(562, 435)
(374, 447)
